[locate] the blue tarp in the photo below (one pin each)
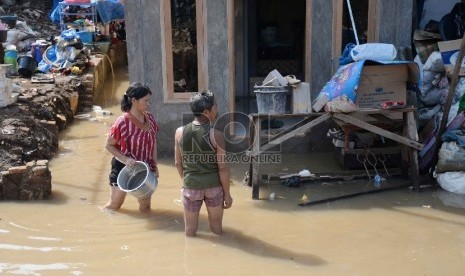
(110, 10)
(107, 10)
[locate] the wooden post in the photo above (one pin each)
(255, 155)
(413, 153)
(450, 97)
(251, 144)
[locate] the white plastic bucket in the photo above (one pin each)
(138, 181)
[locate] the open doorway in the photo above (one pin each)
(360, 16)
(270, 35)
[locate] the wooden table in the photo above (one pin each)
(349, 122)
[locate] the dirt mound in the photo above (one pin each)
(29, 128)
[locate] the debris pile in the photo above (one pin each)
(29, 128)
(32, 24)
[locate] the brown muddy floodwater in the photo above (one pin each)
(391, 233)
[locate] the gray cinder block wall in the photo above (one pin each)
(145, 54)
(144, 42)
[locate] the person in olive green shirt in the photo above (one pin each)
(200, 160)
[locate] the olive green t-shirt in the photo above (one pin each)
(199, 162)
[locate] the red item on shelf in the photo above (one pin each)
(393, 105)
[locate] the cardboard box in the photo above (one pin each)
(381, 83)
(449, 53)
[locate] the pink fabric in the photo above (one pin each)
(192, 199)
(133, 141)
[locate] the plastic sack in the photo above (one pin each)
(344, 81)
(453, 182)
(431, 97)
(451, 158)
(374, 51)
(341, 104)
(428, 113)
(434, 63)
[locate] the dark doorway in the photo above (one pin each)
(360, 15)
(273, 38)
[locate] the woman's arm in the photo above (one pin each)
(110, 145)
(177, 151)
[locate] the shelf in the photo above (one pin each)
(92, 15)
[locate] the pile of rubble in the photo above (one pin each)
(29, 125)
(33, 22)
(29, 128)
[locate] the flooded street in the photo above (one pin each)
(391, 233)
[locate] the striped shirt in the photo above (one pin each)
(133, 141)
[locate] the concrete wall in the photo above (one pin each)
(145, 55)
(145, 52)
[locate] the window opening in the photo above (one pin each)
(184, 50)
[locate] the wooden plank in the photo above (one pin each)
(372, 28)
(405, 150)
(368, 111)
(308, 41)
(338, 9)
(382, 118)
(202, 42)
(284, 116)
(299, 130)
(250, 144)
(377, 130)
(166, 26)
(276, 136)
(326, 200)
(413, 134)
(335, 175)
(255, 165)
(168, 53)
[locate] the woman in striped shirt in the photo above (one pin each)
(132, 138)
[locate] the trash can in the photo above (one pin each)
(271, 99)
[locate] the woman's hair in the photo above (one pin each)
(201, 101)
(135, 91)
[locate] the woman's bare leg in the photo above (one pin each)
(116, 199)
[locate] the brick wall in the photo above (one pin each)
(32, 181)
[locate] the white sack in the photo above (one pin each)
(374, 51)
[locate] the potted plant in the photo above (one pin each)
(3, 32)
